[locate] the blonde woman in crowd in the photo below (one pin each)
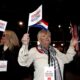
(8, 56)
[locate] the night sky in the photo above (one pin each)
(58, 12)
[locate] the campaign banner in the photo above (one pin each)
(35, 16)
(3, 25)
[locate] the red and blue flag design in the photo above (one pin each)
(42, 24)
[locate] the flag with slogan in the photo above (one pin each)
(35, 16)
(3, 25)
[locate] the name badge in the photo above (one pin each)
(3, 65)
(49, 73)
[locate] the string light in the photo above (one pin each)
(59, 26)
(69, 27)
(20, 23)
(62, 44)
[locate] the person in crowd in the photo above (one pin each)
(8, 56)
(44, 55)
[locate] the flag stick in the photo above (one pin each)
(28, 29)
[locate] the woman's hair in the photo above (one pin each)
(12, 38)
(46, 32)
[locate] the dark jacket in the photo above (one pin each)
(12, 66)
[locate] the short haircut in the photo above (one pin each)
(47, 32)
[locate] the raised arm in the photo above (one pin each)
(25, 57)
(66, 58)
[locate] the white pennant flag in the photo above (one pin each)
(3, 25)
(35, 16)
